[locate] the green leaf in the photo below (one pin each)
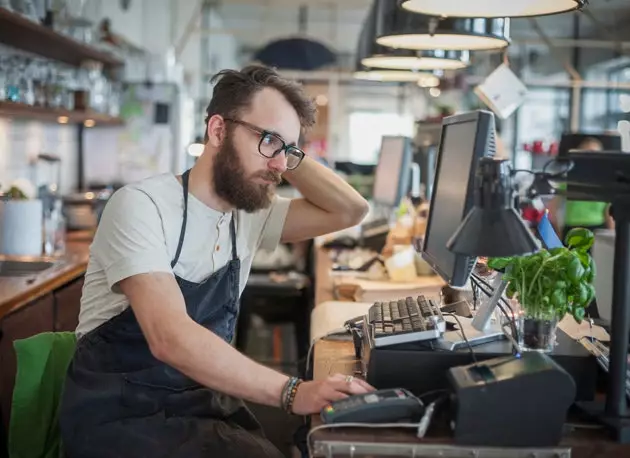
(559, 298)
(510, 290)
(559, 250)
(574, 270)
(499, 263)
(582, 295)
(591, 294)
(578, 314)
(583, 257)
(580, 239)
(592, 271)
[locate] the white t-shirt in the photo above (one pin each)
(139, 231)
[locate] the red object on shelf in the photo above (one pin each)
(538, 147)
(532, 215)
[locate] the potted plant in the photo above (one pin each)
(549, 284)
(21, 219)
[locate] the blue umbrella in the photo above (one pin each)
(295, 54)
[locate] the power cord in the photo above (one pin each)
(478, 282)
(421, 427)
(309, 355)
(461, 330)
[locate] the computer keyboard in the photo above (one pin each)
(405, 320)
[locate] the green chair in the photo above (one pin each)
(42, 362)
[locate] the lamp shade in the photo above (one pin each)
(377, 56)
(404, 59)
(493, 228)
(396, 74)
(399, 28)
(296, 54)
(492, 8)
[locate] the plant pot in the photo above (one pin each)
(537, 334)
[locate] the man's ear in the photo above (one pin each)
(215, 129)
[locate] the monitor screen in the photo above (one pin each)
(465, 139)
(391, 178)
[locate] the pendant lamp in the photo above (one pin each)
(377, 56)
(399, 28)
(422, 79)
(366, 46)
(492, 8)
(404, 59)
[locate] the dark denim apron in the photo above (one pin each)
(120, 401)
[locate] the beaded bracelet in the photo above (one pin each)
(288, 394)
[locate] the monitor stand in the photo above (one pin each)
(454, 340)
(480, 329)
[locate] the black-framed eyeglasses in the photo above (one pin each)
(272, 144)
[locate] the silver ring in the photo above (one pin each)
(349, 379)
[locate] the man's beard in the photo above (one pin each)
(231, 184)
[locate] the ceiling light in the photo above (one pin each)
(403, 59)
(398, 76)
(435, 92)
(376, 56)
(492, 8)
(399, 28)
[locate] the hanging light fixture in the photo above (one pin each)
(397, 74)
(399, 28)
(404, 59)
(422, 79)
(377, 56)
(492, 8)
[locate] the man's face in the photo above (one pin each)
(242, 176)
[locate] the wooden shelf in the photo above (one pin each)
(24, 34)
(21, 111)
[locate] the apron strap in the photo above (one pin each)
(233, 236)
(182, 232)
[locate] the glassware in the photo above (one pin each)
(55, 231)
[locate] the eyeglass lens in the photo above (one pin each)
(270, 145)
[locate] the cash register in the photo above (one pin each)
(410, 343)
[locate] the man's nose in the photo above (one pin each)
(278, 163)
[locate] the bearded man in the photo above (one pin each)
(154, 373)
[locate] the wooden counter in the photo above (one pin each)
(15, 292)
(330, 357)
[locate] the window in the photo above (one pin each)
(367, 128)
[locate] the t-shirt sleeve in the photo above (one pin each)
(266, 225)
(130, 237)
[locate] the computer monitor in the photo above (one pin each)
(465, 139)
(391, 177)
(572, 141)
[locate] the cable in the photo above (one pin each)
(478, 281)
(314, 341)
(569, 167)
(420, 427)
(461, 329)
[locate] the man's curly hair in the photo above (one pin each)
(234, 90)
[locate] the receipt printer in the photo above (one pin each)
(511, 401)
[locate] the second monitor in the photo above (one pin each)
(391, 177)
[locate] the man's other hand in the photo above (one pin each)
(313, 396)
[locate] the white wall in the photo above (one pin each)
(155, 25)
(21, 141)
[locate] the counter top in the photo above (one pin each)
(15, 292)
